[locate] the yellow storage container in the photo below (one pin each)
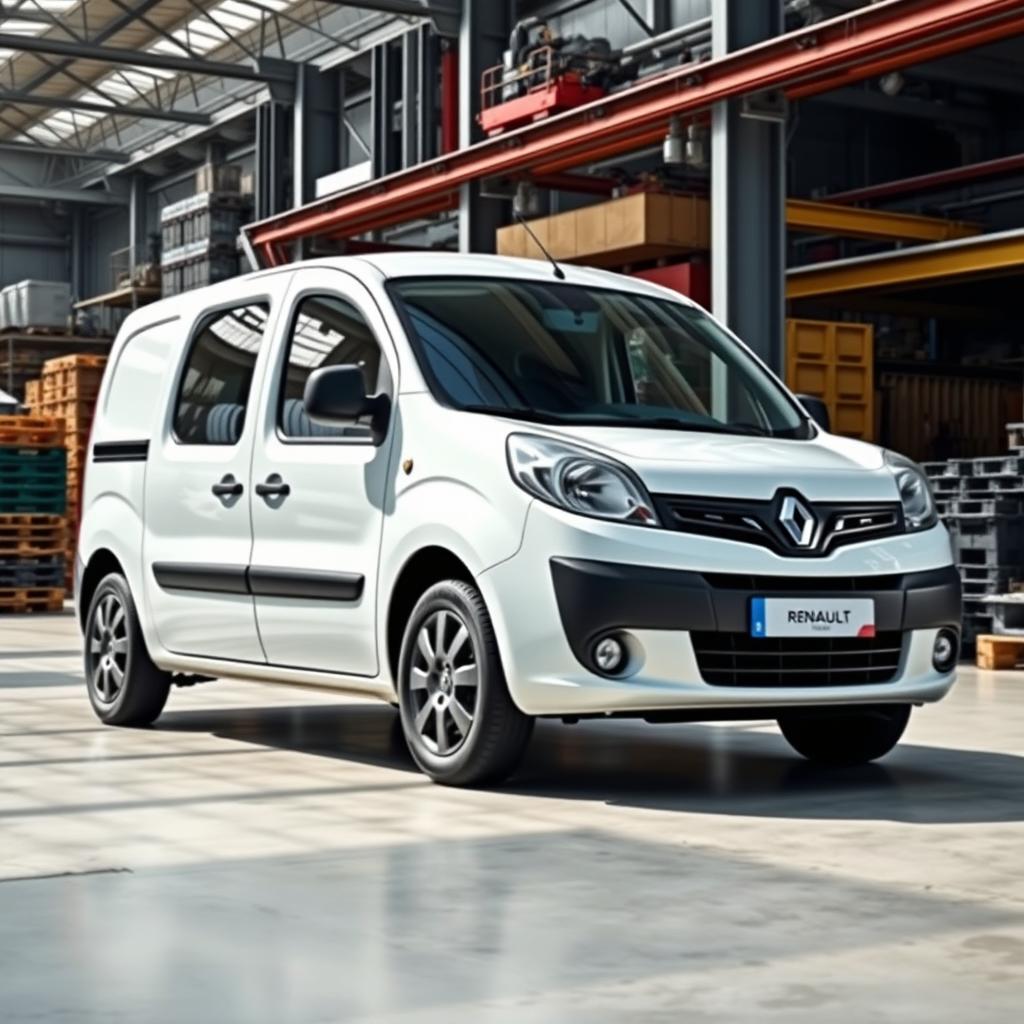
(835, 362)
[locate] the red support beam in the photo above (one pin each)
(933, 182)
(849, 48)
(449, 98)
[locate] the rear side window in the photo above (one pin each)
(326, 331)
(217, 380)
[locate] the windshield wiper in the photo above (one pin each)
(594, 420)
(515, 412)
(671, 423)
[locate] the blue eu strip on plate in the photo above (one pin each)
(757, 618)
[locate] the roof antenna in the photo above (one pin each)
(520, 200)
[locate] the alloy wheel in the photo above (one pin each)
(108, 648)
(444, 682)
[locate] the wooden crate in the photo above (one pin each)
(633, 229)
(999, 652)
(928, 416)
(835, 361)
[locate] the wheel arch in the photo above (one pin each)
(101, 563)
(425, 567)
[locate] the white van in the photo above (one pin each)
(486, 493)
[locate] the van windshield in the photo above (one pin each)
(560, 353)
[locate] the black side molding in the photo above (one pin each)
(211, 579)
(312, 584)
(120, 451)
(259, 581)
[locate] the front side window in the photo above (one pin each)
(217, 380)
(560, 353)
(326, 331)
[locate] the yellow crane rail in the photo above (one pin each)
(973, 257)
(855, 222)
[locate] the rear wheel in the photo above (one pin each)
(458, 718)
(125, 687)
(847, 736)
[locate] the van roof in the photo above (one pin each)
(392, 265)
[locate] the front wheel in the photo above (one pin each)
(125, 687)
(459, 720)
(845, 737)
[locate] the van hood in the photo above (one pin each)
(826, 468)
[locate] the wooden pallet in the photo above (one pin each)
(28, 536)
(80, 390)
(78, 361)
(33, 391)
(31, 432)
(31, 599)
(77, 413)
(999, 652)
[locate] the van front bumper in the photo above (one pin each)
(674, 602)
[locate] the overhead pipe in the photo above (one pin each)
(933, 181)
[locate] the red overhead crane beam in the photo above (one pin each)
(859, 45)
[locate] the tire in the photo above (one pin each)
(459, 720)
(125, 687)
(847, 737)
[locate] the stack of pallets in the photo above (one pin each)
(33, 530)
(68, 390)
(982, 503)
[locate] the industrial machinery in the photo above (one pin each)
(542, 74)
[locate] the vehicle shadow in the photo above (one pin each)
(741, 770)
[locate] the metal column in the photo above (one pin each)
(316, 144)
(273, 192)
(748, 193)
(137, 222)
(482, 40)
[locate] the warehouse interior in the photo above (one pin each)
(841, 182)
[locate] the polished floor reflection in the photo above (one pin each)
(271, 855)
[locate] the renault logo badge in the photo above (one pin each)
(798, 521)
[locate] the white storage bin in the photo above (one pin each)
(42, 304)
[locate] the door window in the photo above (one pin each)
(326, 331)
(218, 376)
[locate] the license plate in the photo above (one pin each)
(812, 616)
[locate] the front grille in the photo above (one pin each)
(760, 522)
(737, 659)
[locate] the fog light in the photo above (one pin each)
(609, 655)
(946, 650)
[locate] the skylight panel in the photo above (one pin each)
(23, 28)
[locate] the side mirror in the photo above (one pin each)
(336, 395)
(817, 410)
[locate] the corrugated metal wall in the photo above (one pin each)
(33, 244)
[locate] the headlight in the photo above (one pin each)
(919, 510)
(578, 480)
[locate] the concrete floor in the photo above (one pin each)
(267, 854)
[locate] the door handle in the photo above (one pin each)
(228, 487)
(273, 487)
